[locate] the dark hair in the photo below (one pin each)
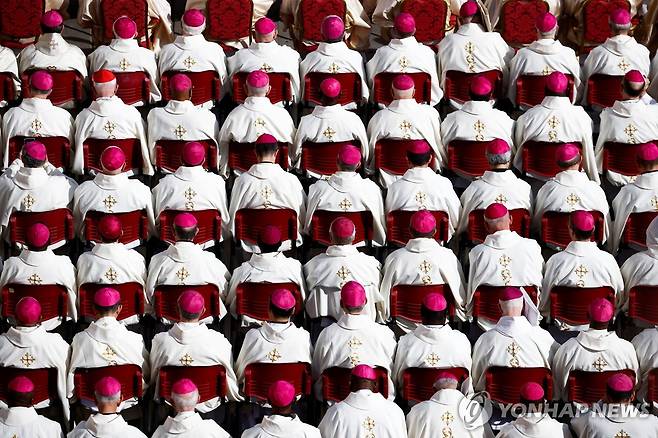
(267, 248)
(19, 399)
(548, 92)
(347, 167)
(31, 162)
(582, 235)
(187, 316)
(185, 234)
(632, 92)
(480, 97)
(48, 29)
(280, 313)
(618, 396)
(266, 148)
(327, 101)
(431, 317)
(419, 159)
(104, 310)
(573, 161)
(652, 163)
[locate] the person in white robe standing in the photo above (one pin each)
(641, 268)
(646, 345)
(9, 66)
(21, 418)
(36, 116)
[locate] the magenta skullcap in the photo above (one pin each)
(283, 299)
(125, 28)
(113, 158)
(193, 153)
(264, 26)
(648, 152)
(258, 79)
(109, 227)
(330, 87)
(364, 372)
(183, 386)
(266, 139)
(403, 82)
(35, 150)
(435, 302)
(532, 392)
(181, 82)
(620, 17)
(557, 82)
(582, 220)
(107, 297)
(480, 86)
(495, 211)
(601, 310)
(510, 293)
(634, 77)
(52, 19)
(423, 222)
(270, 235)
(21, 385)
(405, 23)
(350, 155)
(418, 147)
(342, 228)
(498, 146)
(42, 80)
(566, 152)
(37, 235)
(281, 394)
(185, 220)
(194, 18)
(446, 375)
(468, 9)
(352, 294)
(546, 22)
(28, 311)
(191, 301)
(332, 27)
(620, 382)
(107, 387)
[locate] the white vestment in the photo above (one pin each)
(640, 269)
(646, 345)
(534, 348)
(9, 64)
(327, 272)
(52, 51)
(275, 426)
(493, 123)
(583, 352)
(193, 345)
(43, 267)
(348, 191)
(354, 340)
(268, 186)
(653, 77)
(636, 197)
(35, 118)
(106, 426)
(109, 118)
(556, 119)
(189, 425)
(619, 420)
(535, 425)
(25, 422)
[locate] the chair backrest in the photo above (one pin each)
(321, 158)
(21, 19)
(168, 153)
(7, 86)
(589, 387)
(206, 85)
(165, 298)
(571, 304)
(539, 158)
(635, 230)
(258, 377)
(406, 300)
(517, 20)
(652, 386)
(53, 298)
(58, 149)
(132, 299)
(134, 224)
(44, 379)
(603, 90)
(241, 156)
(643, 304)
(418, 383)
(129, 375)
(350, 84)
(228, 21)
(468, 158)
(397, 226)
(134, 87)
(209, 223)
(485, 300)
(391, 155)
(555, 229)
(210, 380)
(504, 384)
(312, 12)
(250, 221)
(430, 17)
(67, 86)
(92, 148)
(595, 19)
(336, 383)
(59, 223)
(281, 88)
(322, 219)
(457, 84)
(620, 158)
(382, 93)
(531, 89)
(476, 231)
(110, 10)
(253, 299)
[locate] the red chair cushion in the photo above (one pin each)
(110, 10)
(132, 299)
(430, 17)
(518, 18)
(21, 19)
(253, 299)
(228, 21)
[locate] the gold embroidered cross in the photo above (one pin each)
(432, 359)
(369, 423)
(329, 133)
(180, 132)
(622, 434)
(259, 124)
(266, 193)
(623, 65)
(186, 360)
(404, 63)
(189, 195)
(553, 122)
(513, 348)
(425, 267)
(345, 204)
(552, 135)
(343, 273)
(654, 202)
(447, 417)
(109, 127)
(572, 199)
(600, 364)
(274, 355)
(189, 62)
(469, 47)
(470, 60)
(34, 279)
(182, 274)
(479, 128)
(501, 199)
(110, 202)
(28, 202)
(53, 44)
(446, 432)
(266, 68)
(111, 275)
(504, 260)
(124, 64)
(354, 343)
(109, 354)
(581, 271)
(547, 71)
(421, 199)
(36, 125)
(630, 131)
(506, 275)
(406, 125)
(333, 68)
(354, 358)
(27, 359)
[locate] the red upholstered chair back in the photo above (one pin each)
(336, 383)
(531, 89)
(457, 84)
(44, 379)
(7, 87)
(635, 230)
(168, 153)
(652, 386)
(397, 226)
(430, 16)
(555, 229)
(539, 158)
(58, 149)
(59, 223)
(322, 219)
(391, 155)
(485, 300)
(110, 10)
(620, 158)
(321, 158)
(129, 375)
(210, 380)
(350, 86)
(209, 223)
(418, 383)
(281, 88)
(504, 384)
(595, 19)
(384, 81)
(132, 299)
(134, 87)
(312, 12)
(589, 387)
(603, 90)
(92, 148)
(468, 158)
(406, 300)
(166, 296)
(643, 303)
(134, 224)
(67, 88)
(258, 377)
(206, 85)
(241, 156)
(517, 20)
(250, 221)
(253, 299)
(476, 231)
(20, 19)
(53, 298)
(228, 21)
(571, 304)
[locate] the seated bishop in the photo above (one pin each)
(20, 418)
(329, 123)
(111, 191)
(108, 118)
(355, 339)
(364, 409)
(255, 117)
(36, 265)
(36, 116)
(646, 345)
(423, 261)
(124, 55)
(594, 350)
(186, 264)
(266, 54)
(9, 66)
(190, 343)
(346, 191)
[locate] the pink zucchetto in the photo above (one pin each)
(352, 294)
(557, 82)
(28, 311)
(349, 155)
(283, 299)
(330, 87)
(405, 23)
(191, 301)
(193, 153)
(480, 86)
(107, 297)
(342, 228)
(620, 382)
(582, 220)
(418, 147)
(113, 158)
(364, 372)
(103, 76)
(281, 394)
(35, 150)
(52, 19)
(42, 80)
(332, 27)
(37, 235)
(266, 139)
(403, 82)
(532, 392)
(21, 385)
(620, 17)
(546, 22)
(183, 387)
(258, 79)
(495, 211)
(468, 9)
(185, 220)
(423, 222)
(107, 387)
(264, 26)
(566, 153)
(510, 293)
(435, 302)
(601, 310)
(647, 152)
(498, 146)
(194, 18)
(270, 235)
(109, 227)
(634, 77)
(180, 82)
(125, 28)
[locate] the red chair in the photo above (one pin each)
(539, 158)
(457, 84)
(384, 81)
(206, 85)
(595, 21)
(476, 231)
(258, 377)
(67, 88)
(110, 10)
(504, 384)
(589, 387)
(129, 375)
(555, 229)
(336, 383)
(168, 153)
(281, 88)
(397, 226)
(350, 85)
(54, 299)
(322, 219)
(431, 17)
(44, 379)
(58, 148)
(208, 221)
(210, 380)
(391, 154)
(165, 298)
(253, 299)
(531, 89)
(92, 148)
(643, 304)
(7, 85)
(603, 90)
(418, 383)
(406, 300)
(241, 156)
(20, 19)
(321, 158)
(485, 300)
(517, 21)
(468, 158)
(571, 304)
(134, 87)
(635, 230)
(312, 12)
(59, 222)
(228, 21)
(620, 158)
(250, 221)
(135, 225)
(652, 386)
(132, 299)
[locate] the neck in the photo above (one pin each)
(500, 166)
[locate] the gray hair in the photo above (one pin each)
(497, 221)
(446, 383)
(185, 402)
(548, 35)
(495, 159)
(619, 27)
(106, 399)
(511, 305)
(105, 87)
